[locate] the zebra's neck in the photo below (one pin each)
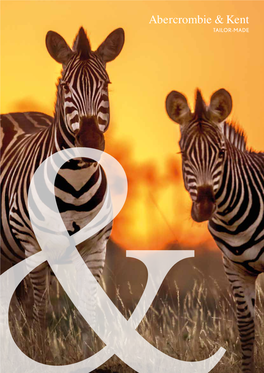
(238, 184)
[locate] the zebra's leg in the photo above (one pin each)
(24, 301)
(39, 278)
(243, 287)
(94, 259)
(40, 288)
(93, 252)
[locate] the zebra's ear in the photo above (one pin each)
(220, 106)
(58, 48)
(112, 45)
(177, 107)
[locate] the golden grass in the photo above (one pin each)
(189, 327)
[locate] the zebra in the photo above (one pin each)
(80, 119)
(225, 181)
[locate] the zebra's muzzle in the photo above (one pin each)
(89, 134)
(204, 206)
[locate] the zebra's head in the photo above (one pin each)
(203, 147)
(82, 97)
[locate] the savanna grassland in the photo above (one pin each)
(186, 322)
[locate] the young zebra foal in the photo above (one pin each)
(225, 181)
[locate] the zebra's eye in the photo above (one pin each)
(64, 85)
(183, 154)
(105, 84)
(222, 153)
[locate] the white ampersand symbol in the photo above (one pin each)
(59, 249)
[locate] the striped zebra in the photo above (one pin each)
(225, 181)
(81, 117)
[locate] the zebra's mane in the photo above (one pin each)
(235, 135)
(82, 45)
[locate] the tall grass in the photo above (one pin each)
(190, 327)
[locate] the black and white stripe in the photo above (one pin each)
(226, 184)
(80, 119)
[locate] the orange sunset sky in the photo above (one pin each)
(155, 60)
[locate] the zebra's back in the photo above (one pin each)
(14, 125)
